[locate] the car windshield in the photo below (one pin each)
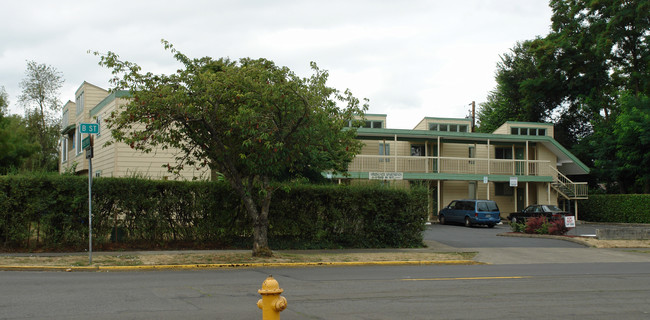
(551, 209)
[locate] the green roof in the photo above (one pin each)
(114, 95)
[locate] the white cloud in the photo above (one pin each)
(410, 58)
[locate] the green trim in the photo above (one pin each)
(110, 98)
(454, 119)
(376, 115)
(68, 128)
(450, 177)
(530, 123)
(570, 155)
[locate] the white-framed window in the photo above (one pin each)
(78, 138)
(99, 125)
(384, 150)
(64, 149)
(448, 127)
(79, 102)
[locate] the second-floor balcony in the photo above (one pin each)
(451, 165)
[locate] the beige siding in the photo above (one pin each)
(456, 150)
(453, 190)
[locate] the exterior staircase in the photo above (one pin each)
(568, 189)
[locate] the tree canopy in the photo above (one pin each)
(580, 76)
(250, 120)
(40, 98)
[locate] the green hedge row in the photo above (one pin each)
(625, 208)
(52, 212)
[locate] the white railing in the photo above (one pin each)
(568, 188)
(368, 163)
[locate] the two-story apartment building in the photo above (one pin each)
(517, 165)
(94, 105)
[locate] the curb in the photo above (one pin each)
(546, 236)
(236, 265)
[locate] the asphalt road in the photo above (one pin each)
(538, 291)
(529, 279)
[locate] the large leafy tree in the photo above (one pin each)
(250, 120)
(40, 98)
(598, 51)
(15, 142)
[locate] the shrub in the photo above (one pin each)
(518, 227)
(624, 208)
(51, 212)
(557, 228)
(538, 225)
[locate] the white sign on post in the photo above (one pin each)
(485, 179)
(513, 181)
(570, 221)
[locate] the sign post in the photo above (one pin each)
(87, 144)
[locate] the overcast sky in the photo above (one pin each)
(412, 59)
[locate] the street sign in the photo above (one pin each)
(90, 128)
(513, 181)
(85, 143)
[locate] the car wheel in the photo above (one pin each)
(442, 219)
(468, 222)
(491, 225)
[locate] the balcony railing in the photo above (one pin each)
(368, 163)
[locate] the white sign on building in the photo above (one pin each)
(386, 175)
(513, 181)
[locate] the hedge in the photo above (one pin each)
(624, 208)
(51, 212)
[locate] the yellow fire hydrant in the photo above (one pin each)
(272, 302)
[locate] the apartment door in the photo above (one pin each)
(521, 198)
(472, 190)
(519, 165)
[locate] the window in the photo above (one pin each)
(99, 126)
(448, 127)
(80, 103)
(503, 153)
(471, 154)
(417, 150)
(373, 124)
(384, 150)
(78, 138)
(503, 189)
(528, 131)
(64, 149)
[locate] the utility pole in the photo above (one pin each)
(473, 116)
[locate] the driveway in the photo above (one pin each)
(494, 249)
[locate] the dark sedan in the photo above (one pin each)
(551, 212)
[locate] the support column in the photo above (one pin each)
(439, 199)
(526, 196)
(395, 147)
(576, 206)
(548, 192)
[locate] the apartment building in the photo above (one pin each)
(94, 105)
(518, 164)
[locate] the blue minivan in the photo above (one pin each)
(471, 212)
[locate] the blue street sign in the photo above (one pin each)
(90, 128)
